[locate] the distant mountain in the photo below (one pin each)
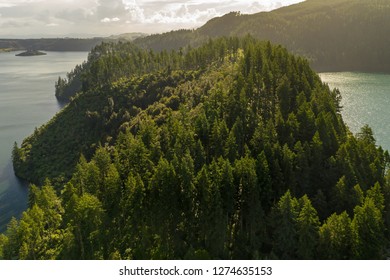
(335, 35)
(51, 44)
(64, 44)
(128, 36)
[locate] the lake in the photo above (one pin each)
(365, 100)
(26, 101)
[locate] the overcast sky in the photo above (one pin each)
(82, 18)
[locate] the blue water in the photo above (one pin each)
(365, 100)
(26, 101)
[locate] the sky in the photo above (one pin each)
(89, 18)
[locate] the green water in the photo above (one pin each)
(26, 101)
(365, 100)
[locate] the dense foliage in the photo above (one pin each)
(233, 150)
(335, 35)
(109, 62)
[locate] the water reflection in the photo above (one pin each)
(13, 200)
(26, 101)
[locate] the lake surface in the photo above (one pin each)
(366, 100)
(26, 101)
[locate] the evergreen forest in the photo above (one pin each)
(234, 149)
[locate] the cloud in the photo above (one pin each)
(107, 20)
(182, 14)
(79, 15)
(14, 24)
(52, 24)
(268, 5)
(106, 17)
(13, 3)
(170, 14)
(110, 9)
(195, 11)
(134, 12)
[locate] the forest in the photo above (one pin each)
(231, 150)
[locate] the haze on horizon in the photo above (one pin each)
(88, 18)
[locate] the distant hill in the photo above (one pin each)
(64, 44)
(335, 35)
(128, 36)
(51, 44)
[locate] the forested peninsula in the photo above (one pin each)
(231, 150)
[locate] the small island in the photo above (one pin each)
(31, 53)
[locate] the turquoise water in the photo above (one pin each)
(365, 100)
(26, 101)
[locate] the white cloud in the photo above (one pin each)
(107, 20)
(134, 11)
(182, 15)
(268, 5)
(106, 17)
(110, 8)
(12, 3)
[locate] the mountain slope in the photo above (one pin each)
(233, 150)
(336, 35)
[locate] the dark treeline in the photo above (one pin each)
(50, 44)
(233, 150)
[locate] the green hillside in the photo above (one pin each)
(335, 35)
(233, 150)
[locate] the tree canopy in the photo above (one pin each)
(233, 150)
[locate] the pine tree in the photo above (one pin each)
(368, 230)
(307, 229)
(336, 238)
(285, 233)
